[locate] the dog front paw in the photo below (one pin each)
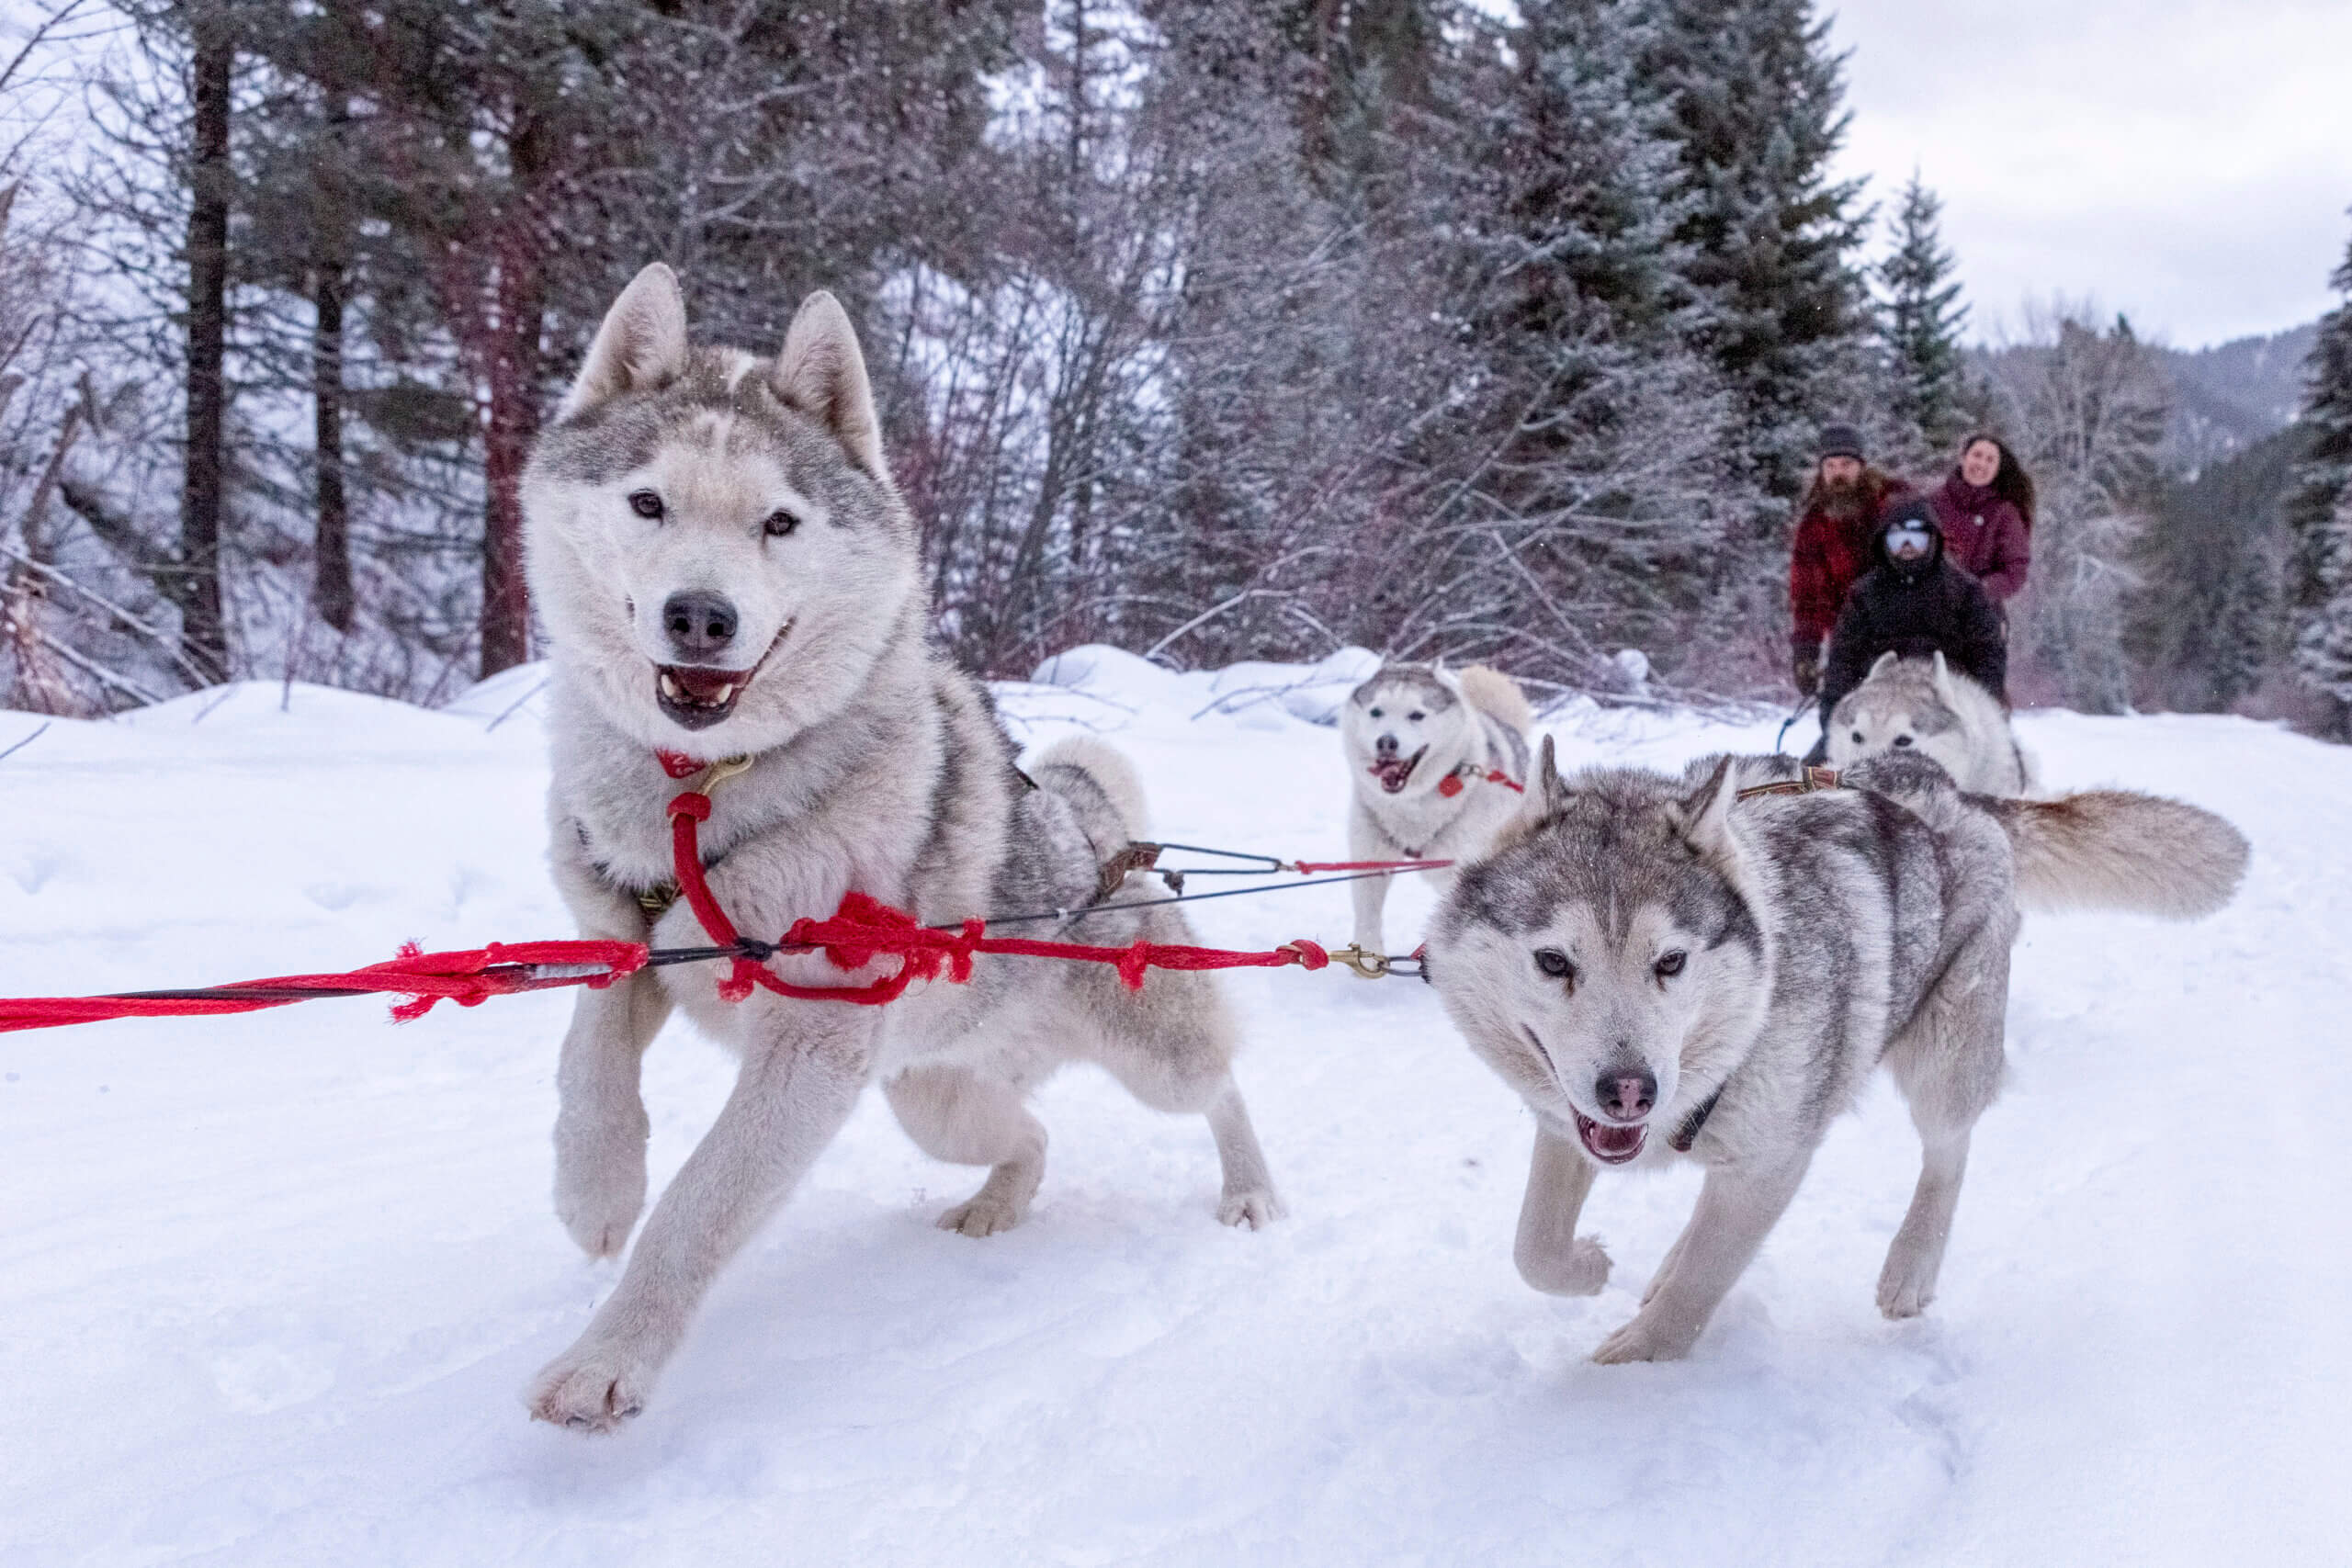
(983, 1215)
(1907, 1284)
(590, 1388)
(1256, 1208)
(1581, 1271)
(1649, 1337)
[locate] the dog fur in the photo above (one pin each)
(724, 568)
(1406, 731)
(1643, 954)
(1923, 704)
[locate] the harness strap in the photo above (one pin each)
(1813, 780)
(1688, 1134)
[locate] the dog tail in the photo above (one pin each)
(1101, 785)
(1497, 695)
(2112, 849)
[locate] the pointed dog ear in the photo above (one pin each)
(1544, 798)
(642, 344)
(821, 373)
(1943, 678)
(1881, 663)
(1702, 817)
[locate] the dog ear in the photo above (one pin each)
(1943, 678)
(821, 373)
(642, 344)
(1544, 798)
(1883, 659)
(1702, 817)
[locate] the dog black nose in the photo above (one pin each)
(1385, 745)
(700, 624)
(1627, 1096)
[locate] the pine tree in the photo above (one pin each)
(2320, 510)
(1919, 320)
(1756, 97)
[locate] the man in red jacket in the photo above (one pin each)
(1836, 542)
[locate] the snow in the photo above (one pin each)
(270, 1285)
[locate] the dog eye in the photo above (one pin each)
(1375, 713)
(644, 503)
(1903, 740)
(1670, 964)
(1555, 962)
(781, 523)
(1858, 736)
(1415, 718)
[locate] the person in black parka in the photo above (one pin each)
(1911, 603)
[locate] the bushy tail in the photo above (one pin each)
(1101, 785)
(1493, 692)
(2112, 848)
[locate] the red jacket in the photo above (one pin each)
(1984, 537)
(1828, 556)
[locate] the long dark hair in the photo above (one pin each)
(2010, 481)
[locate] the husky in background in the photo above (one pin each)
(1925, 705)
(726, 569)
(1668, 967)
(1423, 744)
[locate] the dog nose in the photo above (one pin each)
(700, 624)
(1627, 1096)
(1385, 745)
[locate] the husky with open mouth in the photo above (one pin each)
(1436, 758)
(725, 571)
(1667, 968)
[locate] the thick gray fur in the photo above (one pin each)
(874, 765)
(1923, 704)
(1758, 958)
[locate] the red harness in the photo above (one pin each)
(1452, 785)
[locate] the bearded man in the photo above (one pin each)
(1836, 542)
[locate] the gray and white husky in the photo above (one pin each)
(1422, 743)
(725, 569)
(1924, 704)
(1667, 968)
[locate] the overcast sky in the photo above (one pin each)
(2188, 162)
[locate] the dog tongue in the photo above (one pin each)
(1394, 773)
(1606, 1139)
(704, 686)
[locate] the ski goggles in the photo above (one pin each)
(1909, 537)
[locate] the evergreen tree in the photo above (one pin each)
(1756, 97)
(2321, 514)
(1920, 320)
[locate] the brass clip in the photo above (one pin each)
(1367, 966)
(719, 773)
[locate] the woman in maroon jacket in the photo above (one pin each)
(1985, 510)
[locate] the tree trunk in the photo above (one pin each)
(520, 308)
(203, 490)
(330, 272)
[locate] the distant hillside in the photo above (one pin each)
(2234, 394)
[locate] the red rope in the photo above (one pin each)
(1311, 867)
(468, 979)
(865, 928)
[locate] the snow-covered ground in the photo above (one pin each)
(269, 1285)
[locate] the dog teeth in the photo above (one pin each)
(669, 687)
(725, 693)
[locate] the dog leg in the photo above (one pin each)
(971, 1118)
(1248, 1197)
(1369, 893)
(789, 1102)
(1908, 1283)
(1738, 1207)
(1664, 1267)
(600, 1125)
(1550, 1255)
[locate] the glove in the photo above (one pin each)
(1806, 671)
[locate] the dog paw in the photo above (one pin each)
(983, 1215)
(600, 1191)
(1905, 1288)
(1256, 1208)
(589, 1388)
(1582, 1270)
(1647, 1338)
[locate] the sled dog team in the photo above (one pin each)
(1703, 967)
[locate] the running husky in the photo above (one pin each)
(1922, 702)
(1642, 952)
(725, 569)
(1424, 747)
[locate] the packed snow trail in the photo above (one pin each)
(270, 1285)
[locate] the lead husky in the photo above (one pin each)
(1424, 745)
(1644, 953)
(1920, 703)
(725, 569)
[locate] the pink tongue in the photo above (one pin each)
(704, 686)
(1394, 775)
(1609, 1140)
